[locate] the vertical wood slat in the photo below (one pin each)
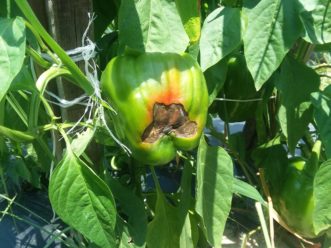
(71, 20)
(66, 21)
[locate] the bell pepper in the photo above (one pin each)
(295, 204)
(295, 201)
(161, 100)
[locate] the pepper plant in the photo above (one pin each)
(166, 85)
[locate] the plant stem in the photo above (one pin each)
(36, 99)
(17, 108)
(37, 58)
(303, 50)
(259, 210)
(8, 5)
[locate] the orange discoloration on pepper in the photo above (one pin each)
(167, 97)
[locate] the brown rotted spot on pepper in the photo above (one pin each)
(169, 119)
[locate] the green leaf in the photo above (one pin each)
(12, 50)
(189, 11)
(242, 188)
(322, 116)
(4, 8)
(273, 158)
(17, 170)
(214, 189)
(164, 230)
(133, 207)
(322, 210)
(316, 19)
(185, 191)
(23, 80)
(125, 238)
(80, 143)
(83, 200)
(151, 26)
(215, 78)
(308, 5)
(186, 239)
(272, 28)
(185, 203)
(105, 11)
(295, 83)
(220, 35)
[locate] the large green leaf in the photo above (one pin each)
(12, 51)
(295, 84)
(322, 185)
(220, 35)
(214, 189)
(83, 200)
(273, 27)
(164, 230)
(151, 26)
(316, 19)
(322, 116)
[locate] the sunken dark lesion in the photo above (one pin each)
(168, 119)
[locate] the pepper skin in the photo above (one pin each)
(295, 203)
(161, 100)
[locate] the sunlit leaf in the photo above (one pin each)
(214, 190)
(12, 51)
(151, 26)
(245, 189)
(220, 35)
(83, 200)
(272, 28)
(317, 20)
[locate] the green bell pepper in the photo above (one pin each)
(295, 200)
(161, 100)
